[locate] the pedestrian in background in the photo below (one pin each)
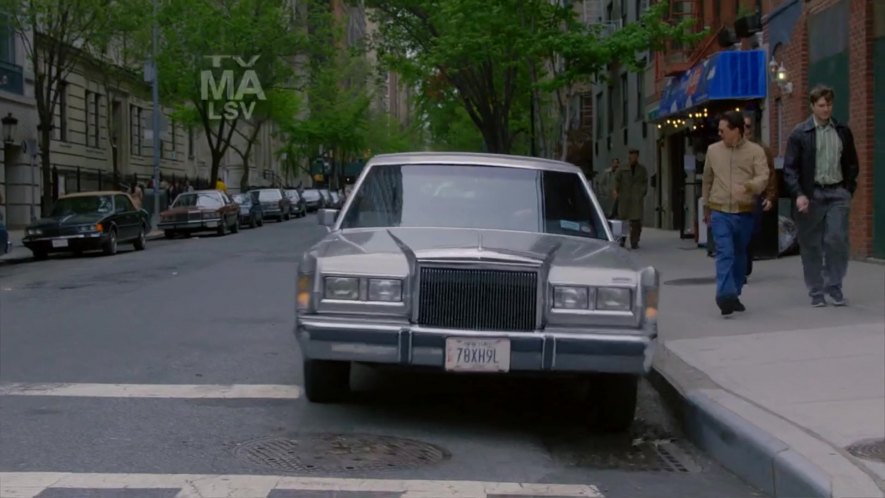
(766, 201)
(735, 173)
(820, 172)
(631, 185)
(605, 189)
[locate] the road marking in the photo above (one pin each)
(199, 391)
(31, 484)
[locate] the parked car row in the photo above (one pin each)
(102, 220)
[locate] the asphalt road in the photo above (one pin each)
(144, 369)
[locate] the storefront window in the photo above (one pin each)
(7, 40)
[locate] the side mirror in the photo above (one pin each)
(327, 217)
(617, 228)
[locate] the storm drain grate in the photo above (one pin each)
(645, 449)
(873, 449)
(328, 452)
(691, 281)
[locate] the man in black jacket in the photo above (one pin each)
(820, 172)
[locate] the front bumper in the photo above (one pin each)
(191, 225)
(402, 343)
(65, 243)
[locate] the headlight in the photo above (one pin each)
(86, 228)
(613, 299)
(345, 288)
(571, 298)
(35, 231)
(385, 290)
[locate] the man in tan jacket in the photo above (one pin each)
(735, 173)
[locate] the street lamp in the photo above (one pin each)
(9, 124)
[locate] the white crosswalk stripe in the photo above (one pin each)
(195, 391)
(32, 484)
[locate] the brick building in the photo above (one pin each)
(840, 43)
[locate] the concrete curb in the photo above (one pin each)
(741, 437)
(26, 255)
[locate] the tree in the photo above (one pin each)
(280, 107)
(494, 53)
(61, 30)
(219, 59)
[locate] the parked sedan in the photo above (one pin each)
(88, 221)
(313, 199)
(274, 203)
(251, 214)
(477, 263)
(200, 211)
(299, 207)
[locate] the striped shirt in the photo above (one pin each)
(828, 170)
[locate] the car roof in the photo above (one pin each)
(475, 158)
(93, 193)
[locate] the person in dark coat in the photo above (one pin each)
(631, 185)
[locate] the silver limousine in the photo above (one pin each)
(476, 263)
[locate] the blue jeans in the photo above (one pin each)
(732, 233)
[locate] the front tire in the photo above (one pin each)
(110, 247)
(613, 401)
(141, 242)
(326, 381)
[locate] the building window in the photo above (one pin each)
(623, 13)
(624, 103)
(96, 119)
(599, 115)
(60, 123)
(611, 109)
(586, 110)
(87, 99)
(640, 97)
(639, 9)
(135, 129)
(190, 143)
(7, 40)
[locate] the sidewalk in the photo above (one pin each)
(18, 252)
(777, 393)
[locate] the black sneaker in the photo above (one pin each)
(726, 305)
(739, 306)
(818, 301)
(837, 298)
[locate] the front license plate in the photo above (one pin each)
(60, 243)
(212, 224)
(477, 355)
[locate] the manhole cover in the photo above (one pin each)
(691, 281)
(337, 452)
(869, 450)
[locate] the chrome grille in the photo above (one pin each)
(478, 299)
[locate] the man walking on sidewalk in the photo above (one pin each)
(631, 185)
(735, 173)
(820, 172)
(765, 202)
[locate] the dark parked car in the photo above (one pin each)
(251, 213)
(313, 199)
(88, 221)
(200, 211)
(274, 203)
(299, 207)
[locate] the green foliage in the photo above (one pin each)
(195, 34)
(478, 53)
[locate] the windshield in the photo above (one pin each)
(269, 195)
(241, 199)
(311, 195)
(83, 205)
(199, 200)
(292, 194)
(489, 197)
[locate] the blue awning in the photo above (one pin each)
(729, 75)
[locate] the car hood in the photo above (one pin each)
(393, 251)
(68, 220)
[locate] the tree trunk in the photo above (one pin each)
(46, 169)
(565, 120)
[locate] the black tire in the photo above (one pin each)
(236, 227)
(287, 216)
(168, 234)
(40, 255)
(613, 401)
(326, 381)
(110, 247)
(141, 242)
(222, 228)
(252, 222)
